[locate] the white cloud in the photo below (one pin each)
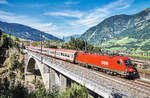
(92, 17)
(26, 20)
(95, 16)
(46, 27)
(71, 3)
(3, 2)
(32, 5)
(75, 14)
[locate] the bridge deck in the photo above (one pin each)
(90, 79)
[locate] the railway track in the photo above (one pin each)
(147, 85)
(141, 61)
(134, 84)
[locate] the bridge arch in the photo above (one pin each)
(36, 70)
(32, 67)
(32, 71)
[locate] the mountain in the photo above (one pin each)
(122, 32)
(25, 32)
(67, 38)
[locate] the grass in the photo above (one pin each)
(12, 37)
(143, 42)
(122, 41)
(126, 40)
(127, 43)
(117, 48)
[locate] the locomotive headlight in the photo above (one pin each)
(131, 70)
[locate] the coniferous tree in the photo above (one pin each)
(0, 33)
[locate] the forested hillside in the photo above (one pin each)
(122, 32)
(25, 32)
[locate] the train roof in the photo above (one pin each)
(49, 49)
(109, 55)
(123, 57)
(66, 50)
(62, 50)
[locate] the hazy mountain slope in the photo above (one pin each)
(25, 32)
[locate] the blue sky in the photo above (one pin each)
(66, 17)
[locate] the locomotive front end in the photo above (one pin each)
(130, 71)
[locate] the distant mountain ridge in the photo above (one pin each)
(127, 31)
(67, 39)
(25, 32)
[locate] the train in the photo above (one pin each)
(113, 64)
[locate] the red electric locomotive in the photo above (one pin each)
(114, 64)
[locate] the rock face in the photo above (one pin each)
(25, 32)
(129, 31)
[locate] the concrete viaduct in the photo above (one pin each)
(59, 73)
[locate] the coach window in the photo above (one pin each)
(65, 54)
(119, 63)
(70, 55)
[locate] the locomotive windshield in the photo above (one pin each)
(128, 63)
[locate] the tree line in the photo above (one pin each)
(78, 44)
(18, 90)
(74, 43)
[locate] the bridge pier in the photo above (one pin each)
(63, 81)
(52, 78)
(57, 80)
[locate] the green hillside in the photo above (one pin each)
(122, 32)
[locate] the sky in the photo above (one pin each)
(66, 17)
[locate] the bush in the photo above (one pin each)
(2, 41)
(0, 33)
(78, 44)
(76, 91)
(4, 88)
(12, 75)
(135, 65)
(54, 93)
(50, 46)
(13, 62)
(5, 42)
(8, 90)
(19, 91)
(40, 91)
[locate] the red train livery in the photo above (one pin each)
(114, 64)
